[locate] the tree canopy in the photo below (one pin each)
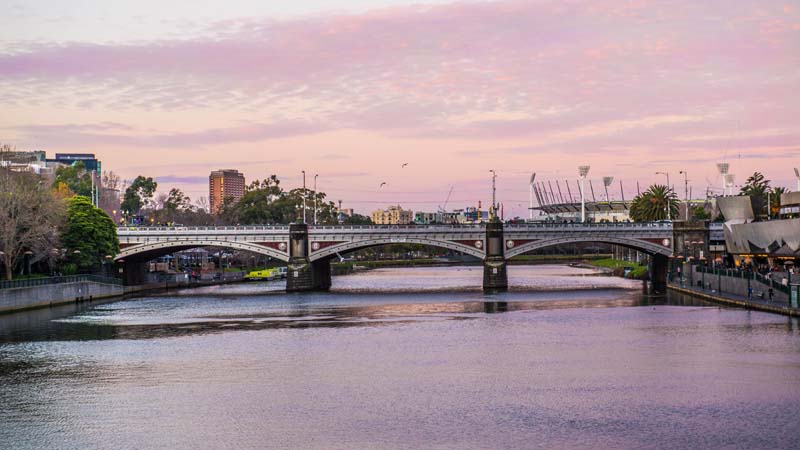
(651, 205)
(138, 194)
(88, 235)
(756, 186)
(75, 178)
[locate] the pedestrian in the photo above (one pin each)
(749, 292)
(771, 292)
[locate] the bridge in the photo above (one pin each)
(308, 250)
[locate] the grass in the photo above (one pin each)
(638, 271)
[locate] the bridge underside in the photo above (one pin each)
(148, 252)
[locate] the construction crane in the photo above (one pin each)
(443, 209)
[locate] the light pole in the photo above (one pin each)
(493, 210)
(315, 198)
(304, 196)
(583, 171)
(669, 214)
(686, 192)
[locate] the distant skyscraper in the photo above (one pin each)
(222, 185)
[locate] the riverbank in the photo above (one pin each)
(737, 300)
(620, 268)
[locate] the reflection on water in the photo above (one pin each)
(371, 365)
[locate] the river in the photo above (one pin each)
(402, 358)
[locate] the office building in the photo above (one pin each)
(224, 185)
(395, 215)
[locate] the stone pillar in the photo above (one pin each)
(495, 277)
(303, 275)
(659, 265)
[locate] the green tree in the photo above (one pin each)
(700, 213)
(652, 204)
(357, 219)
(756, 187)
(75, 177)
(775, 200)
(138, 194)
(89, 234)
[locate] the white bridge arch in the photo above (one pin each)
(349, 246)
(638, 244)
(165, 246)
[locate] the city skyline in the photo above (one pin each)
(355, 91)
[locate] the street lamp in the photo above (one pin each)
(493, 210)
(686, 192)
(304, 196)
(669, 214)
(315, 198)
(583, 171)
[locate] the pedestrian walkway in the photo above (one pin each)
(779, 307)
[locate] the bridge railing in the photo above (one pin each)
(44, 281)
(431, 227)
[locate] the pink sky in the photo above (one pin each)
(629, 87)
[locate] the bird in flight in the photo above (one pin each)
(404, 164)
(382, 184)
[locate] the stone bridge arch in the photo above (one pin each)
(351, 246)
(636, 244)
(148, 251)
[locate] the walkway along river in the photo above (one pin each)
(402, 358)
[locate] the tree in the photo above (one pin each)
(138, 195)
(29, 218)
(88, 235)
(76, 178)
(652, 204)
(357, 219)
(775, 200)
(756, 186)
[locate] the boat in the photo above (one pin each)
(264, 275)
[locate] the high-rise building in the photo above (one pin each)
(224, 184)
(395, 215)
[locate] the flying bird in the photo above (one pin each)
(382, 184)
(404, 164)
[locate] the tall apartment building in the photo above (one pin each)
(224, 184)
(395, 215)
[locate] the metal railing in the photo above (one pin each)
(44, 281)
(509, 226)
(744, 274)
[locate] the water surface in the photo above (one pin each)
(402, 358)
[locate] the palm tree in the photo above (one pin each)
(652, 204)
(775, 206)
(756, 187)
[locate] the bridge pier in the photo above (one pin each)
(133, 272)
(303, 275)
(659, 265)
(495, 276)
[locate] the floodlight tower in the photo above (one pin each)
(530, 209)
(729, 179)
(723, 171)
(607, 182)
(797, 175)
(583, 171)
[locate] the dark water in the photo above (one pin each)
(566, 360)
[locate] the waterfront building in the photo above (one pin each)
(394, 215)
(224, 185)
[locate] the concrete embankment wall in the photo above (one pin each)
(53, 294)
(734, 285)
(758, 306)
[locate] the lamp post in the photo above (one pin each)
(315, 198)
(493, 210)
(583, 171)
(304, 196)
(669, 214)
(686, 192)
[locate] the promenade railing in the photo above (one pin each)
(44, 281)
(771, 281)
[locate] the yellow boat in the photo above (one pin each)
(266, 274)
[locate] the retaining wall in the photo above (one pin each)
(53, 294)
(731, 285)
